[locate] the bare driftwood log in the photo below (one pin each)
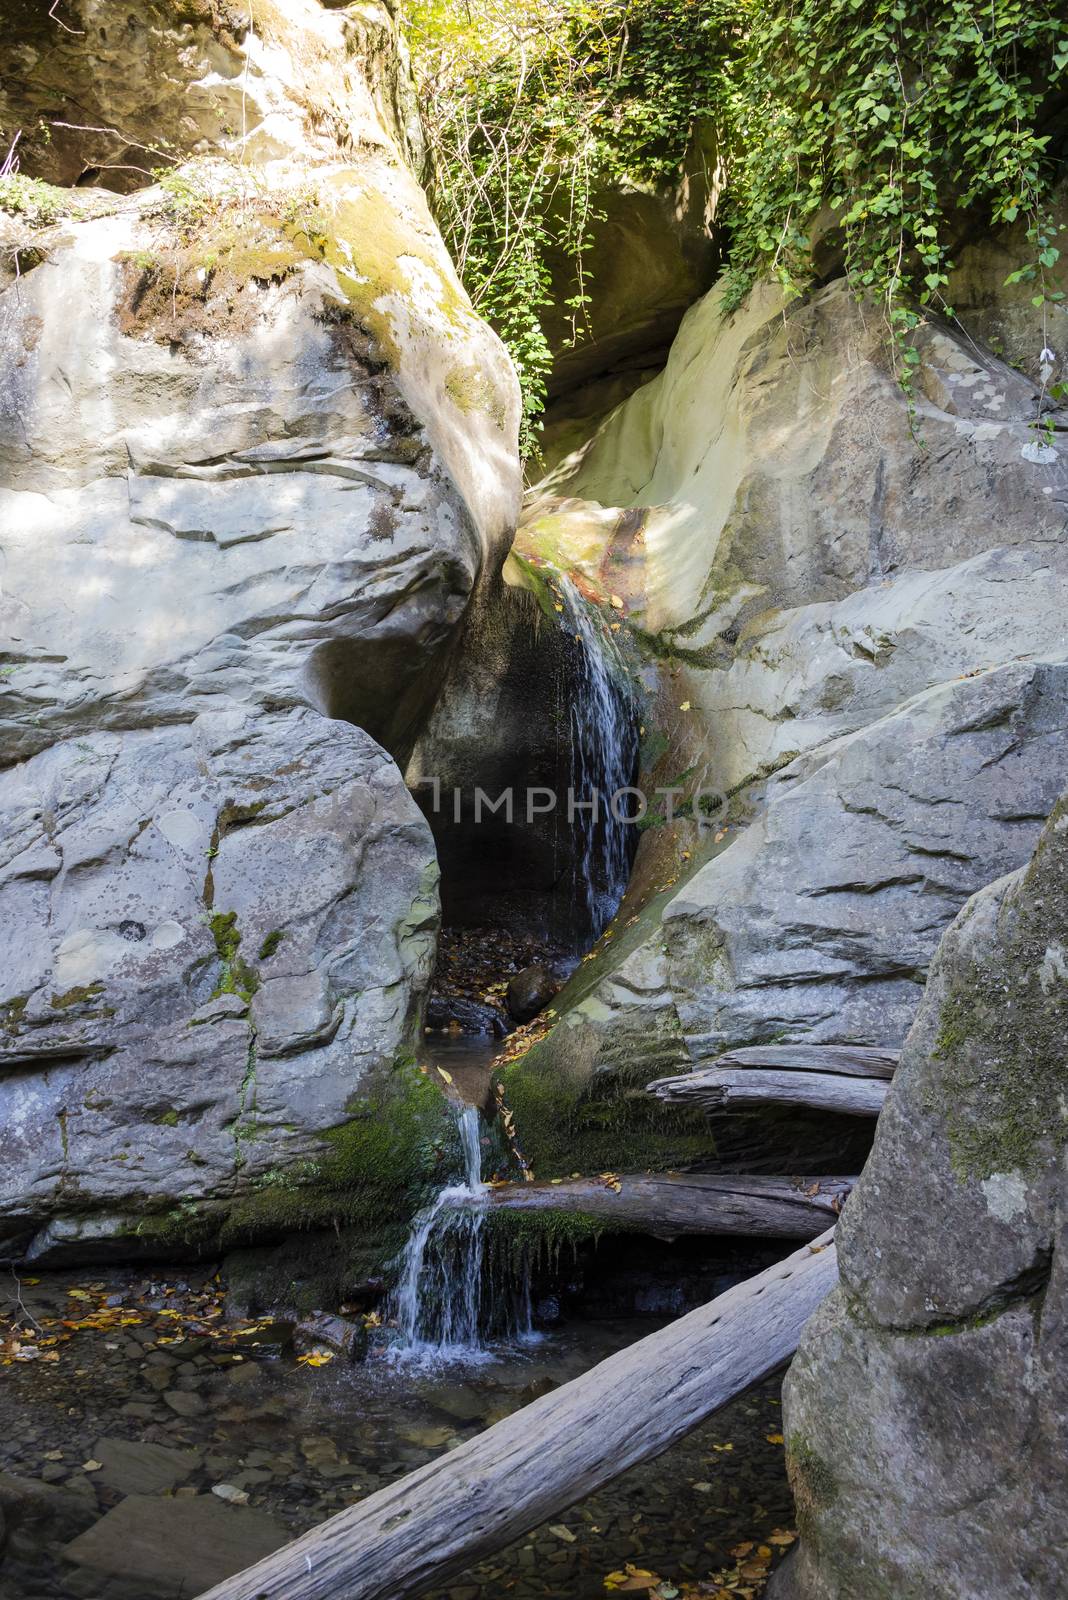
(428, 1527)
(717, 1088)
(853, 1060)
(679, 1202)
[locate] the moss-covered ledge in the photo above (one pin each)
(374, 1172)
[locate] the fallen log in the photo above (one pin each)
(853, 1060)
(672, 1203)
(432, 1524)
(718, 1088)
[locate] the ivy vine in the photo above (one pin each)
(885, 120)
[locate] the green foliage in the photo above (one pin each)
(529, 107)
(885, 118)
(881, 118)
(34, 201)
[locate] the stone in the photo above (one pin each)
(336, 1335)
(529, 992)
(237, 555)
(940, 1360)
(184, 1402)
(847, 677)
(133, 1466)
(177, 1547)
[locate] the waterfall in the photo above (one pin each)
(604, 756)
(443, 1306)
(438, 1297)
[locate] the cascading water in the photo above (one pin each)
(444, 1306)
(437, 1301)
(604, 757)
(448, 1301)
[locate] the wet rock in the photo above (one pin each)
(134, 1467)
(530, 991)
(333, 1335)
(176, 1547)
(466, 1016)
(184, 1402)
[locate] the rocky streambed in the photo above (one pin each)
(152, 1444)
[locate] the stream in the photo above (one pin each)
(237, 1410)
(143, 1388)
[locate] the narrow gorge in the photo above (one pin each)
(533, 766)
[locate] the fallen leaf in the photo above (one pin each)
(316, 1358)
(560, 1532)
(685, 706)
(232, 1496)
(92, 1466)
(774, 1438)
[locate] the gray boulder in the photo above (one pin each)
(852, 623)
(258, 455)
(926, 1410)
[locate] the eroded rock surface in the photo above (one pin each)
(853, 627)
(925, 1411)
(258, 454)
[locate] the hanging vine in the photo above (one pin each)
(885, 119)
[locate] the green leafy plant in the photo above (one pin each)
(881, 121)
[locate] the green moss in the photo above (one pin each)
(167, 1119)
(12, 1013)
(80, 995)
(536, 580)
(271, 943)
(376, 1169)
(541, 1235)
(471, 390)
(812, 1480)
(1003, 1022)
(607, 1124)
(236, 976)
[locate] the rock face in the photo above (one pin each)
(853, 628)
(259, 453)
(926, 1410)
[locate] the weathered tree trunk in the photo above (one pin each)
(717, 1088)
(437, 1521)
(678, 1202)
(853, 1060)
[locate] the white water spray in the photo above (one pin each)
(437, 1301)
(604, 751)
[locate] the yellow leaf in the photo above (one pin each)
(316, 1358)
(685, 706)
(446, 1075)
(774, 1438)
(615, 602)
(92, 1466)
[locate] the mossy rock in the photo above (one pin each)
(374, 1173)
